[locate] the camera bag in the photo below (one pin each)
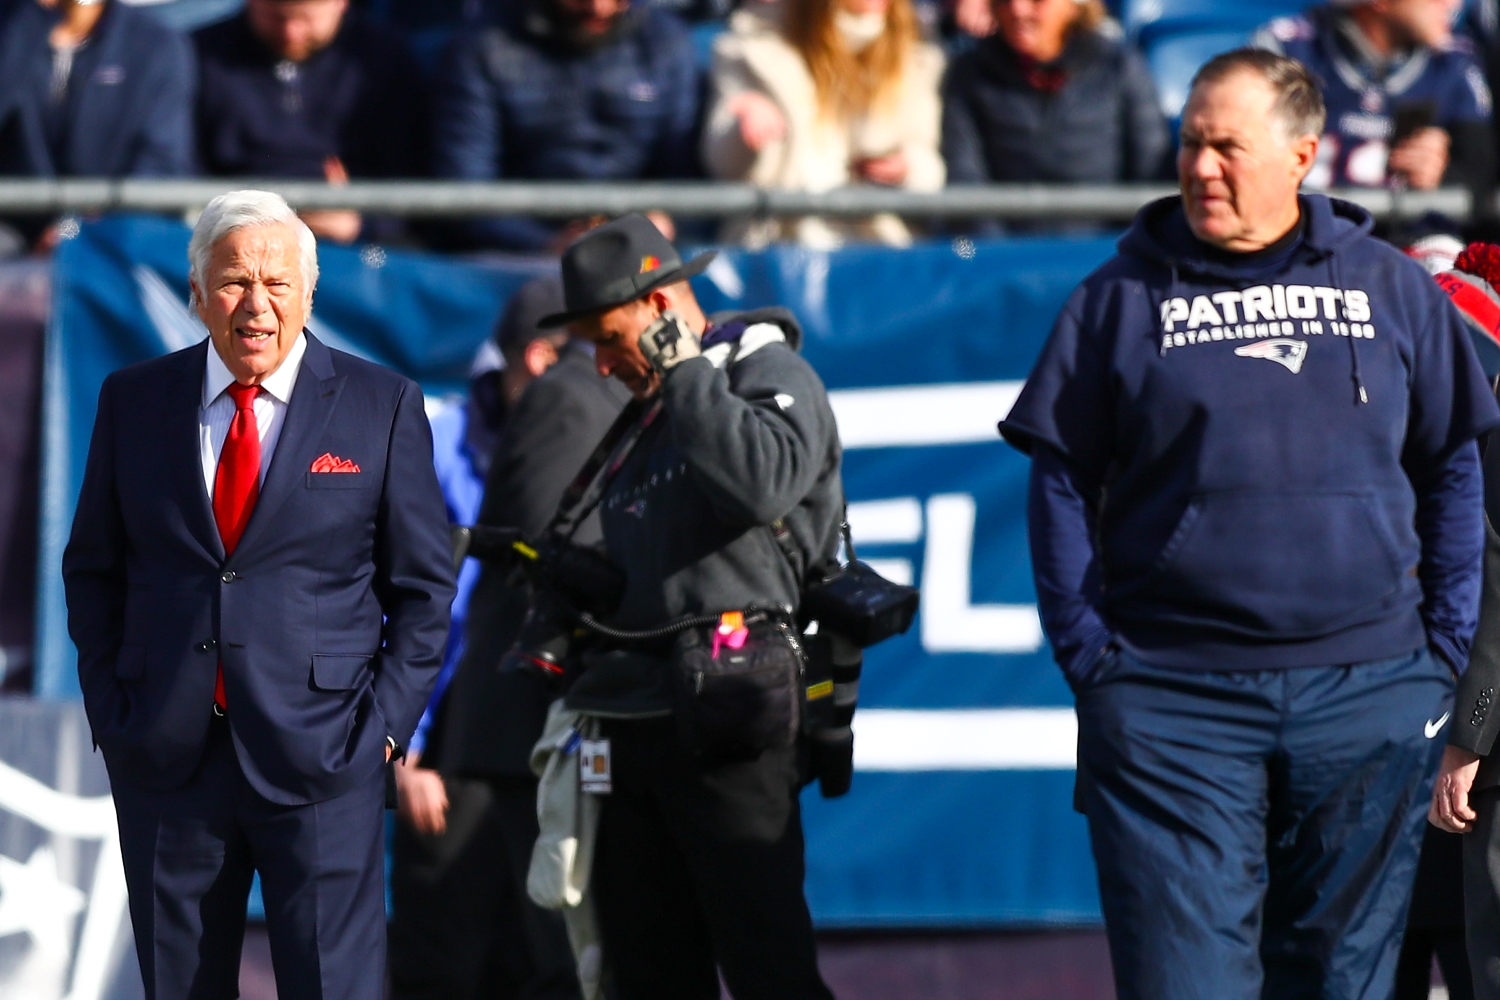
(738, 700)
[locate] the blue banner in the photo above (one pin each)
(961, 809)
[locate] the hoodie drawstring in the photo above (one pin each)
(1161, 349)
(1335, 275)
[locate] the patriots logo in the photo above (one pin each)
(1287, 353)
(637, 509)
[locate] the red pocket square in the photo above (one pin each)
(328, 463)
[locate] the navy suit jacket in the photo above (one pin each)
(330, 617)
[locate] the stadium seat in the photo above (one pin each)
(1146, 18)
(1175, 57)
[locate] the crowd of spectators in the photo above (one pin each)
(802, 94)
(818, 94)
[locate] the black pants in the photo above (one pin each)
(1482, 893)
(464, 928)
(1435, 923)
(698, 869)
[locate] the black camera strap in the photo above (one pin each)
(587, 488)
(782, 535)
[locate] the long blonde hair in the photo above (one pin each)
(849, 84)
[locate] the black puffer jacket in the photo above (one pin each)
(1104, 126)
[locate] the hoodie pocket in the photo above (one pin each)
(1282, 565)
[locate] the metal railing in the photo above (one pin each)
(687, 199)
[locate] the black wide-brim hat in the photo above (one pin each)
(617, 263)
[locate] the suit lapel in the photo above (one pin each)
(183, 413)
(313, 401)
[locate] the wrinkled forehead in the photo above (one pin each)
(1239, 105)
(262, 249)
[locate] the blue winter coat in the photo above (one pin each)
(514, 101)
(1363, 97)
(128, 110)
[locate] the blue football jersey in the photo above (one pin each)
(1364, 93)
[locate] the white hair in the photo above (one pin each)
(238, 209)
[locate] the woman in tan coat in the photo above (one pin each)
(814, 95)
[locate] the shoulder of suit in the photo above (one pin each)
(188, 361)
(375, 382)
(358, 368)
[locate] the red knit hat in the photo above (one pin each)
(1471, 285)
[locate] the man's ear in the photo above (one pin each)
(660, 300)
(1304, 155)
(195, 299)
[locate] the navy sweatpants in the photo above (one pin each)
(1257, 832)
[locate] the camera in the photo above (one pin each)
(566, 580)
(843, 614)
(861, 605)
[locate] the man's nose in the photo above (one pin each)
(604, 363)
(256, 300)
(1203, 164)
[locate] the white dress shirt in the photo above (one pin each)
(216, 411)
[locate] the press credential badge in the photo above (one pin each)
(593, 767)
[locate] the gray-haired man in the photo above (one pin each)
(1255, 527)
(258, 584)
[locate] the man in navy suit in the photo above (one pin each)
(258, 584)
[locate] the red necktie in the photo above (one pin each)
(237, 483)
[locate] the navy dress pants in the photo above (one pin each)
(189, 857)
(1256, 832)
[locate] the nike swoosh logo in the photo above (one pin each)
(1432, 728)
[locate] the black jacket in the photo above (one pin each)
(516, 101)
(359, 99)
(490, 721)
(1104, 126)
(746, 437)
(1475, 719)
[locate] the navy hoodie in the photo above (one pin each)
(1264, 464)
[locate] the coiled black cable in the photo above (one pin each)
(753, 613)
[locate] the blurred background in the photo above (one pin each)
(921, 183)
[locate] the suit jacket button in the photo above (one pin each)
(207, 646)
(229, 576)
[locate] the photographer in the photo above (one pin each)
(724, 496)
